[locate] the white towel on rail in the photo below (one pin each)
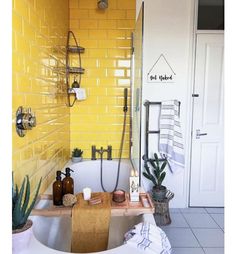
(148, 238)
(171, 139)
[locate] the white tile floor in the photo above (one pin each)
(196, 230)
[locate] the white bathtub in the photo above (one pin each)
(87, 174)
(53, 234)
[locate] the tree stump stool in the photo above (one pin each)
(162, 214)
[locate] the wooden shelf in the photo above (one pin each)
(126, 208)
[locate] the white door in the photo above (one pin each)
(207, 162)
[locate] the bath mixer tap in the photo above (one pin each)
(101, 151)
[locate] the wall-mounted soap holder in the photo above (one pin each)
(79, 93)
(25, 120)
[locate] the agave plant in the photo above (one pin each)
(77, 152)
(21, 207)
(156, 175)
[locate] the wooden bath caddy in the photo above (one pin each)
(126, 208)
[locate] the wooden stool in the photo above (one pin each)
(162, 214)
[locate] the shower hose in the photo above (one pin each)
(120, 150)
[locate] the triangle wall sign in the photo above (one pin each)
(161, 72)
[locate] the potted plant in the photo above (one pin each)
(21, 209)
(156, 175)
(77, 155)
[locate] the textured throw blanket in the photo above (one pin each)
(171, 144)
(90, 224)
(148, 238)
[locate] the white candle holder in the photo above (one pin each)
(134, 186)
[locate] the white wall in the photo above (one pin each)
(168, 30)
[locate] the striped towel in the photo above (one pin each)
(148, 238)
(171, 139)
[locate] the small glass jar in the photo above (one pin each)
(118, 196)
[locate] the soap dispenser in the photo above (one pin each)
(57, 190)
(68, 182)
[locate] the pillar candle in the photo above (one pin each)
(134, 186)
(87, 193)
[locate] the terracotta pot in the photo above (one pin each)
(21, 238)
(159, 193)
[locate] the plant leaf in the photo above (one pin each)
(157, 161)
(151, 178)
(163, 166)
(27, 195)
(16, 213)
(147, 168)
(33, 202)
(157, 173)
(145, 158)
(13, 190)
(153, 164)
(163, 174)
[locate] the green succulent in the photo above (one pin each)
(21, 208)
(156, 174)
(77, 152)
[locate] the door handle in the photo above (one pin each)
(199, 134)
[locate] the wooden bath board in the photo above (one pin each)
(126, 208)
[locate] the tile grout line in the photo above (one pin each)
(193, 232)
(216, 221)
(189, 227)
(205, 212)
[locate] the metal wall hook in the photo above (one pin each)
(25, 120)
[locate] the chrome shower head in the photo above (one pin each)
(102, 4)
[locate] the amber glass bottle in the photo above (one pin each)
(68, 183)
(57, 190)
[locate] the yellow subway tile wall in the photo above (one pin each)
(39, 38)
(106, 36)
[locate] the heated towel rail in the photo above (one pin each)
(147, 105)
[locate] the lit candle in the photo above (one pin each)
(132, 172)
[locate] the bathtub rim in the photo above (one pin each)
(70, 162)
(37, 247)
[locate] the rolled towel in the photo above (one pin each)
(147, 230)
(149, 238)
(148, 246)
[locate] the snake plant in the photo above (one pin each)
(21, 206)
(157, 174)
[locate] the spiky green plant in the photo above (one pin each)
(156, 174)
(77, 152)
(21, 208)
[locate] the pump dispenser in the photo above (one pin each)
(68, 182)
(57, 190)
